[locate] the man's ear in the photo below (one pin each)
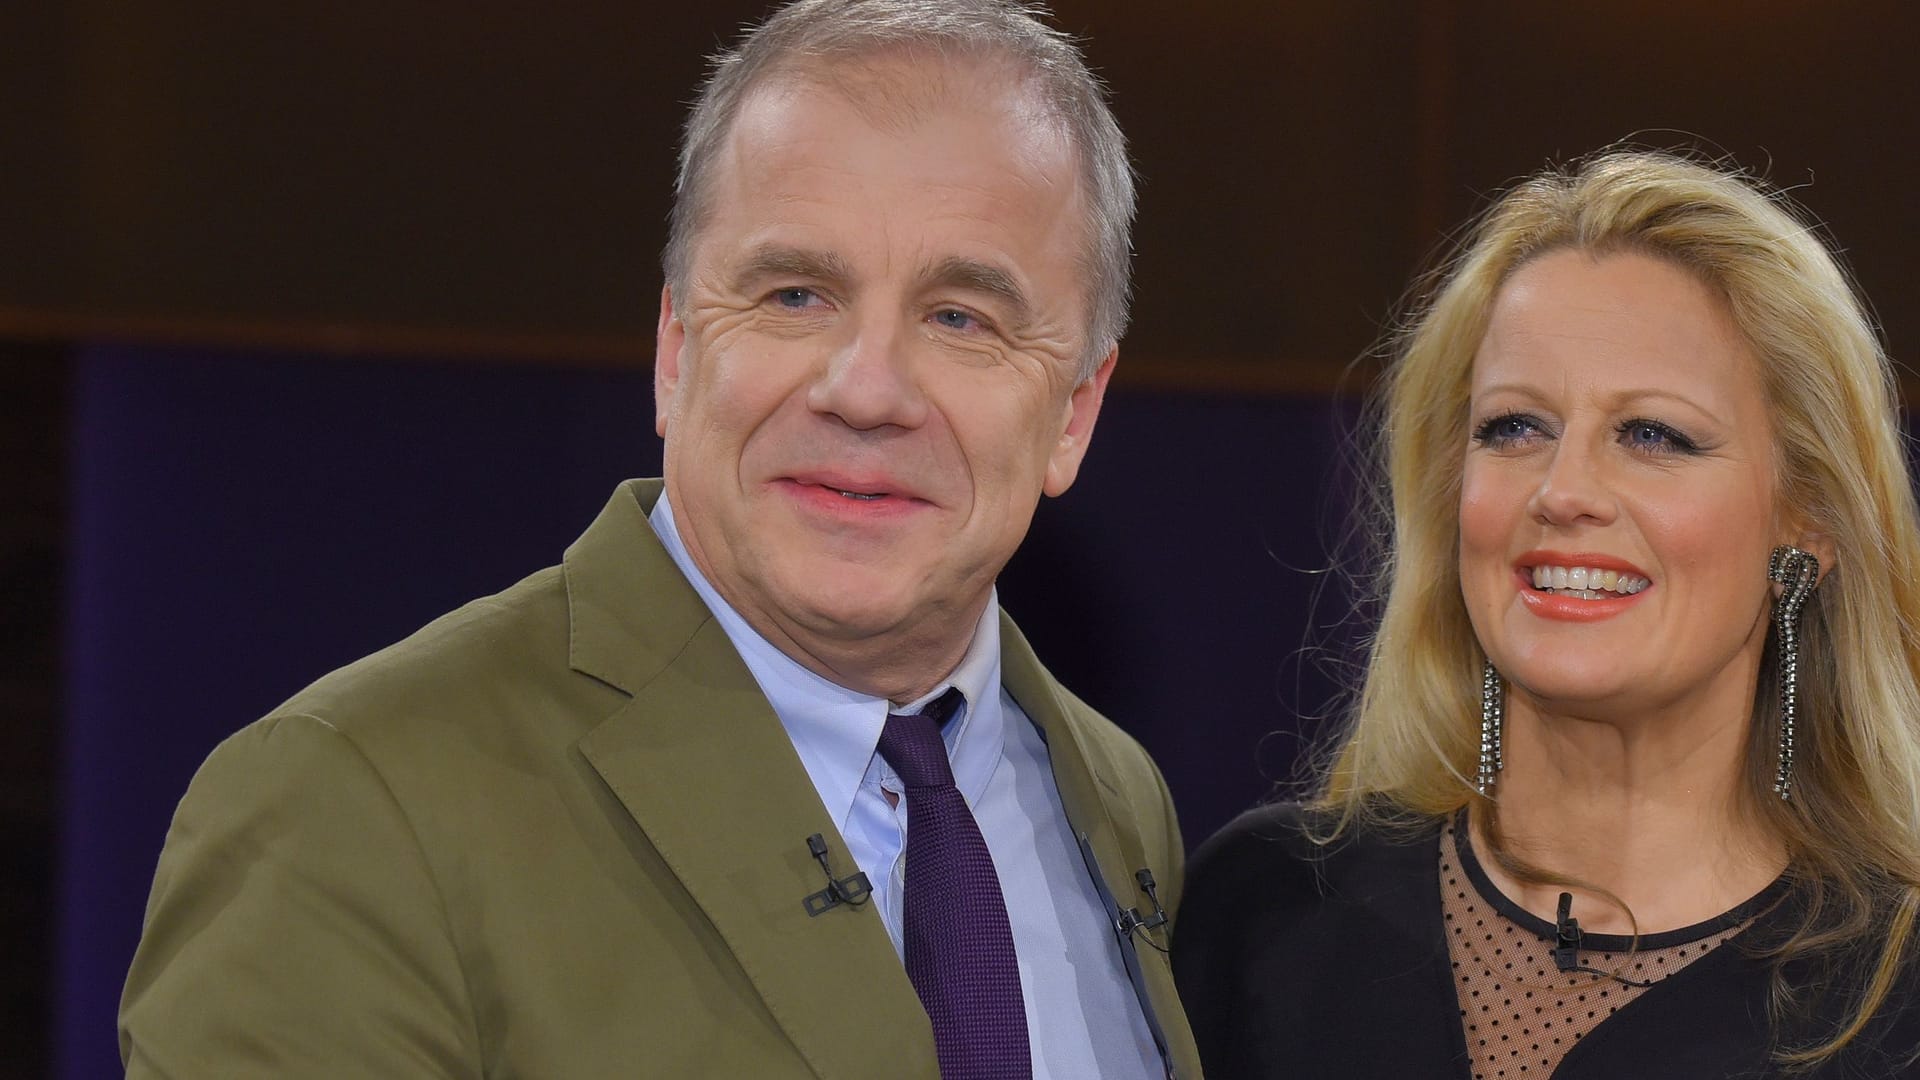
(669, 337)
(1083, 408)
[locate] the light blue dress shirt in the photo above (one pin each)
(1083, 1019)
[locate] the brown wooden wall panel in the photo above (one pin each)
(489, 177)
(37, 256)
(1277, 159)
(437, 165)
(1819, 97)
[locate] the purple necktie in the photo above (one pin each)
(959, 945)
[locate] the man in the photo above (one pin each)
(614, 820)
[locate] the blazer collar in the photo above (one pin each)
(629, 611)
(1085, 789)
(1099, 811)
(700, 761)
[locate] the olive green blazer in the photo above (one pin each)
(560, 833)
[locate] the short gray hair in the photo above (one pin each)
(807, 32)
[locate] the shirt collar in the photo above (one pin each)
(835, 729)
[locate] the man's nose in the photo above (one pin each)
(871, 381)
(1574, 489)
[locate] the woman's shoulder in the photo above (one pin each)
(1302, 937)
(1288, 846)
(1824, 987)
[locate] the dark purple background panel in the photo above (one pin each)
(243, 523)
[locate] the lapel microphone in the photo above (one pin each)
(1125, 922)
(1566, 946)
(1131, 919)
(851, 890)
(1566, 936)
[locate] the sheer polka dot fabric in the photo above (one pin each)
(1521, 1013)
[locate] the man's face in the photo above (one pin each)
(873, 375)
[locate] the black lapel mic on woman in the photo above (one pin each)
(1566, 936)
(1566, 946)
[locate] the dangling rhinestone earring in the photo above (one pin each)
(1798, 571)
(1492, 719)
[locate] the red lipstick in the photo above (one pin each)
(1565, 608)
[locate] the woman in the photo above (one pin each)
(1632, 788)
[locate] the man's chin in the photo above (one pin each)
(846, 603)
(852, 605)
(852, 618)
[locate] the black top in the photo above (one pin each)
(1541, 928)
(1296, 961)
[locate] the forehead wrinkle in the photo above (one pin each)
(1687, 378)
(1628, 398)
(1611, 398)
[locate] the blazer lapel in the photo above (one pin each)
(700, 761)
(1083, 791)
(1097, 809)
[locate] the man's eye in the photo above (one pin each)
(795, 297)
(955, 319)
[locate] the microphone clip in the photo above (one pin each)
(1131, 919)
(1566, 936)
(851, 890)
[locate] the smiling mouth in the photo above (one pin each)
(1586, 582)
(828, 492)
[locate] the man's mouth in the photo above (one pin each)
(876, 491)
(1586, 582)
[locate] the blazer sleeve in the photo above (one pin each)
(1175, 886)
(295, 928)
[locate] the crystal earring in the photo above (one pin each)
(1492, 719)
(1797, 571)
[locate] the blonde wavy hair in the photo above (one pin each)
(1852, 827)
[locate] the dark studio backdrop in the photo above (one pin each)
(318, 320)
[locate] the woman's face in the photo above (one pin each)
(1616, 509)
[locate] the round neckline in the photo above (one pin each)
(1546, 930)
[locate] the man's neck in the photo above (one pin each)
(901, 665)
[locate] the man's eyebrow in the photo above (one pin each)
(781, 261)
(972, 274)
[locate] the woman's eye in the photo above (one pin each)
(1654, 437)
(1506, 430)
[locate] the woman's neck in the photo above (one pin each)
(1653, 812)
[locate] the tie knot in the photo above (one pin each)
(911, 743)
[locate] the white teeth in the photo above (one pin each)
(1587, 583)
(859, 495)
